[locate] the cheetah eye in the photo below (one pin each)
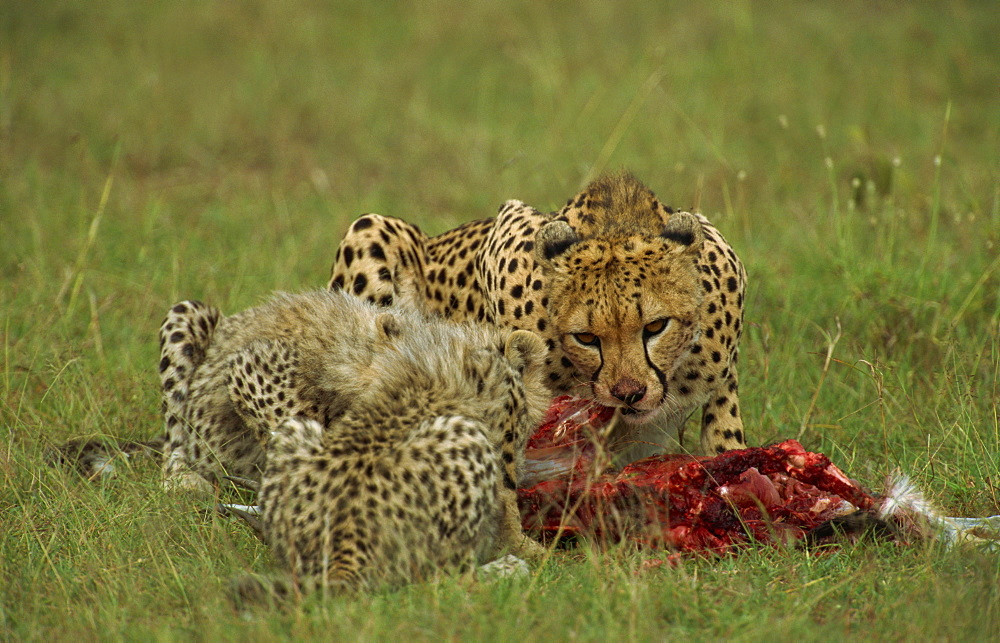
(654, 327)
(587, 339)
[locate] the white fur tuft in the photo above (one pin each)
(908, 507)
(903, 499)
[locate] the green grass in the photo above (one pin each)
(157, 151)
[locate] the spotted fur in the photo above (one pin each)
(417, 476)
(228, 381)
(656, 294)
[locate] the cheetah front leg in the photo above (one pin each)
(721, 423)
(382, 260)
(185, 336)
(511, 538)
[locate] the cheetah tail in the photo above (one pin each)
(97, 459)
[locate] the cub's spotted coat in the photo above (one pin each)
(418, 474)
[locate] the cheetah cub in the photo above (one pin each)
(227, 382)
(417, 473)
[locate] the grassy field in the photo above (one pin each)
(155, 151)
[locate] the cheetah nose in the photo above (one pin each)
(628, 390)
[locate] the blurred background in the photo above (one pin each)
(444, 110)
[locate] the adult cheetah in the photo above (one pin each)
(640, 306)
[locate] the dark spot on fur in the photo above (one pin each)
(360, 281)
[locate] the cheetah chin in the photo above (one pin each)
(635, 416)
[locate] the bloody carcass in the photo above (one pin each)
(774, 494)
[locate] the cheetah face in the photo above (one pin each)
(626, 310)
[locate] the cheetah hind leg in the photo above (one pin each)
(262, 387)
(381, 259)
(294, 438)
(185, 335)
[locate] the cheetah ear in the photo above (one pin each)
(552, 240)
(523, 348)
(388, 326)
(684, 229)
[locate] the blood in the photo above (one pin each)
(772, 494)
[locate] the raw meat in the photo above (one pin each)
(766, 494)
